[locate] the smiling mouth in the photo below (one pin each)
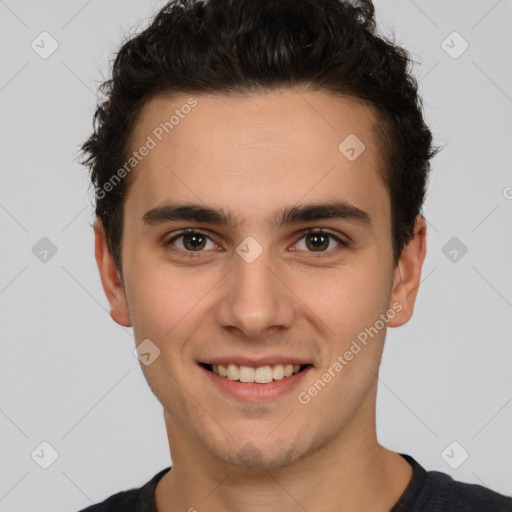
(259, 375)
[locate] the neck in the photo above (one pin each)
(349, 472)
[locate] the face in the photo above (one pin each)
(252, 240)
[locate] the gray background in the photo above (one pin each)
(68, 375)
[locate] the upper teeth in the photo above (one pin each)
(261, 375)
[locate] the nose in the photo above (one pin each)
(255, 299)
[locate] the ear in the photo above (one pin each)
(406, 279)
(110, 277)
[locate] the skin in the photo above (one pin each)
(252, 155)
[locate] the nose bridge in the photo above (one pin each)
(254, 299)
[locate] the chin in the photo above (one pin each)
(263, 455)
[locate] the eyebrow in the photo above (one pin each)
(334, 210)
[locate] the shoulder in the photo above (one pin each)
(442, 492)
(434, 491)
(140, 499)
(122, 501)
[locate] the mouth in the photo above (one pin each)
(265, 374)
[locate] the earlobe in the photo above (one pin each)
(111, 280)
(407, 276)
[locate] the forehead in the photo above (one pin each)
(257, 151)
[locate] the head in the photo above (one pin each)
(270, 117)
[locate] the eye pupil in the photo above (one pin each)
(318, 241)
(196, 241)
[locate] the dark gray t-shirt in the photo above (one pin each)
(428, 491)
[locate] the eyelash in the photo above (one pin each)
(194, 254)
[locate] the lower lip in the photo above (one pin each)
(254, 392)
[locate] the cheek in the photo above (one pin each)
(348, 299)
(164, 312)
(163, 299)
(348, 303)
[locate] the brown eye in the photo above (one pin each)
(317, 241)
(320, 242)
(194, 241)
(190, 242)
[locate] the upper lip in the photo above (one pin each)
(255, 362)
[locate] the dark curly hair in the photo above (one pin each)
(244, 46)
